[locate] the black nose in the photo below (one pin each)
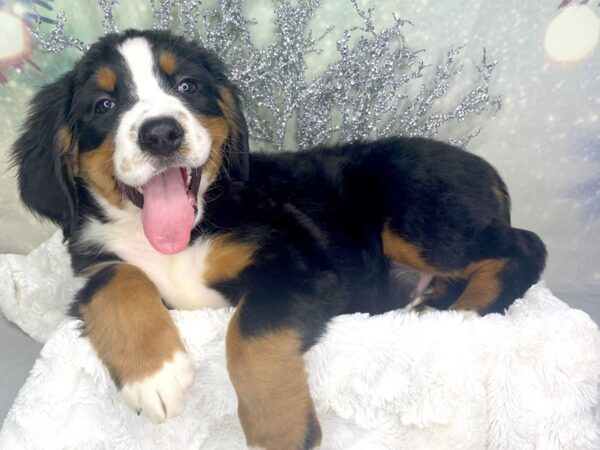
(160, 136)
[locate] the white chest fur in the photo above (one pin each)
(179, 278)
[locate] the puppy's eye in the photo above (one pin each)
(104, 105)
(187, 86)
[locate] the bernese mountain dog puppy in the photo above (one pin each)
(140, 155)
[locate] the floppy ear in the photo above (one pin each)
(42, 155)
(236, 146)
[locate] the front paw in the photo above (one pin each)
(161, 394)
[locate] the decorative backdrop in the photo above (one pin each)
(535, 114)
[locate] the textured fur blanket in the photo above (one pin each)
(529, 379)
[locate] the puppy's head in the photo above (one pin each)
(144, 123)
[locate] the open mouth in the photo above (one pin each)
(169, 205)
(191, 180)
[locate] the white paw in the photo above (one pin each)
(468, 314)
(161, 395)
(416, 302)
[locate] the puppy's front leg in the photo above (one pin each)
(266, 366)
(134, 336)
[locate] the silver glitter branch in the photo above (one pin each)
(180, 15)
(108, 23)
(364, 93)
(57, 40)
(417, 119)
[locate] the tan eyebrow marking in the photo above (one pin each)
(106, 79)
(168, 62)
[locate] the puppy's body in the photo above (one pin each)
(146, 120)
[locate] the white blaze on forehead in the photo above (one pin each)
(140, 60)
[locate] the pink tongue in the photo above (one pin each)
(167, 214)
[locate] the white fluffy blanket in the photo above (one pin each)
(526, 380)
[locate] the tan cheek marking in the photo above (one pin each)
(229, 108)
(274, 403)
(129, 327)
(185, 149)
(97, 169)
(226, 259)
(168, 63)
(218, 129)
(106, 79)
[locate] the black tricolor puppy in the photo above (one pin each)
(140, 154)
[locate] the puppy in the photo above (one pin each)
(140, 155)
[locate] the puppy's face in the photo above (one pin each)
(145, 122)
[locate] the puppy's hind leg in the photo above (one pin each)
(494, 283)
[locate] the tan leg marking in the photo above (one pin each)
(129, 327)
(134, 336)
(404, 252)
(274, 402)
(226, 258)
(483, 287)
(98, 170)
(106, 79)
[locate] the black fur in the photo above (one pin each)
(91, 288)
(42, 176)
(318, 216)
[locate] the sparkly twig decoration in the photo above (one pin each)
(363, 94)
(58, 40)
